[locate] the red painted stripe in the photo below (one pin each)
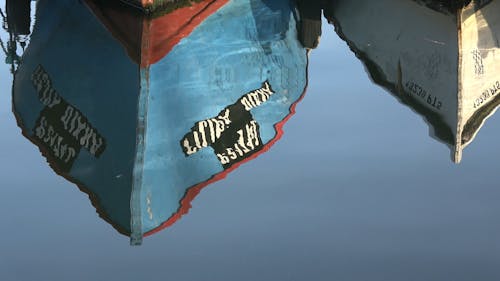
(167, 31)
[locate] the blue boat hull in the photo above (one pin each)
(146, 140)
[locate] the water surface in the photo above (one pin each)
(356, 189)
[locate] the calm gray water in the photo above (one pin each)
(355, 190)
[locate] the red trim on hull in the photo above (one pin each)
(167, 31)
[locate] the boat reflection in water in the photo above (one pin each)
(142, 115)
(142, 112)
(440, 58)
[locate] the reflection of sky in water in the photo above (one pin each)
(355, 190)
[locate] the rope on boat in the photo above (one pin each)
(3, 46)
(4, 23)
(4, 20)
(3, 15)
(9, 49)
